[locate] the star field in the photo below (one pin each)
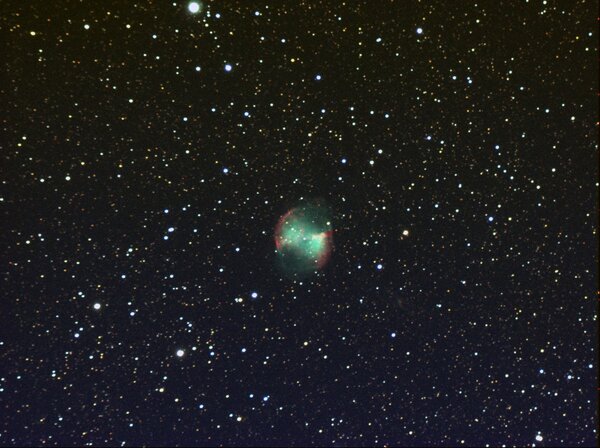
(149, 150)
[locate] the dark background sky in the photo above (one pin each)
(455, 145)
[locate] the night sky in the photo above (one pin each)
(150, 150)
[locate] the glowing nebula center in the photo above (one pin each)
(303, 239)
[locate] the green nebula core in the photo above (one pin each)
(303, 238)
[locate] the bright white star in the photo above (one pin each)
(194, 7)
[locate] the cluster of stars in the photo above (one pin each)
(454, 300)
